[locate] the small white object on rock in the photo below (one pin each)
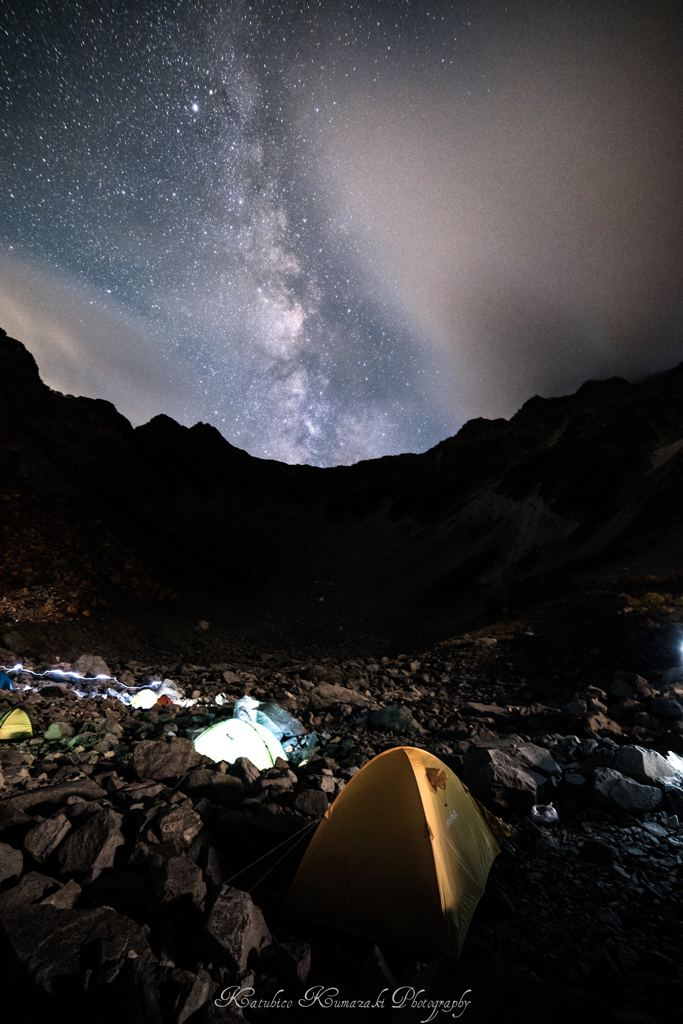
(544, 814)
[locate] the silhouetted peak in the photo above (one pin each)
(17, 364)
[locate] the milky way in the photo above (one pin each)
(286, 219)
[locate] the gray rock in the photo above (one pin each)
(631, 682)
(395, 718)
(217, 787)
(327, 783)
(180, 824)
(195, 993)
(179, 886)
(538, 760)
(645, 766)
(58, 731)
(665, 707)
(275, 781)
(31, 889)
(289, 962)
(494, 775)
(500, 715)
(11, 863)
(577, 706)
(610, 786)
(311, 802)
(214, 865)
(246, 771)
(297, 962)
(602, 726)
(92, 847)
(66, 897)
(93, 664)
(44, 839)
(85, 788)
(326, 694)
(162, 759)
(54, 945)
(673, 675)
(674, 796)
(624, 710)
(234, 928)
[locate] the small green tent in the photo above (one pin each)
(16, 725)
(232, 738)
(401, 856)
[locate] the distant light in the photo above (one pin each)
(195, 107)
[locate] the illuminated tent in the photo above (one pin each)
(232, 738)
(144, 699)
(16, 725)
(401, 857)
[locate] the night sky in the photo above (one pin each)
(340, 230)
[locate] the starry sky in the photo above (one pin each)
(333, 230)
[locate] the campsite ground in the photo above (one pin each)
(557, 935)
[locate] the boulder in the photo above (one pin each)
(538, 760)
(58, 731)
(11, 863)
(165, 759)
(275, 781)
(325, 694)
(179, 886)
(92, 847)
(322, 674)
(645, 766)
(217, 787)
(194, 994)
(501, 716)
(64, 898)
(55, 946)
(57, 794)
(610, 786)
(629, 684)
(235, 928)
(665, 707)
(179, 824)
(577, 706)
(91, 664)
(674, 797)
(33, 888)
(245, 770)
(311, 802)
(599, 725)
(44, 839)
(396, 718)
(494, 775)
(624, 710)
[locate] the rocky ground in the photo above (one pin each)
(120, 846)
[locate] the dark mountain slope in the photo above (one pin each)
(99, 509)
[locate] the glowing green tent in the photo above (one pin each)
(16, 725)
(233, 738)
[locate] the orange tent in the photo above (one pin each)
(401, 856)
